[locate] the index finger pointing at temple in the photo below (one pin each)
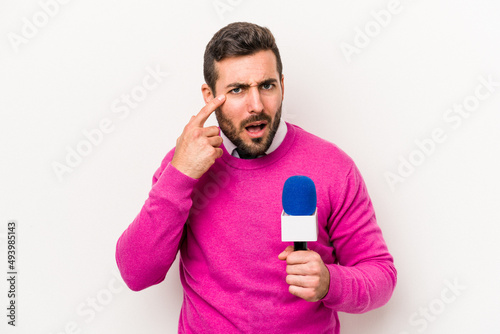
(208, 109)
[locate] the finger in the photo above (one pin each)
(311, 268)
(283, 255)
(303, 281)
(211, 131)
(299, 257)
(219, 152)
(208, 109)
(307, 294)
(308, 256)
(297, 269)
(215, 141)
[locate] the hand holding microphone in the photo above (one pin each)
(308, 276)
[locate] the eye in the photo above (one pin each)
(236, 90)
(267, 86)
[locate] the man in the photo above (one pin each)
(216, 198)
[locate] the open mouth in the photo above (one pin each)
(256, 129)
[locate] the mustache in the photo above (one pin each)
(255, 118)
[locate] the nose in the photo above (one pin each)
(254, 101)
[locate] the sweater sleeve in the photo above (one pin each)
(148, 247)
(364, 277)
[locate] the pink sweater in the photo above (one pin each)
(227, 228)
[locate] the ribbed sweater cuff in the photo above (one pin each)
(334, 295)
(174, 182)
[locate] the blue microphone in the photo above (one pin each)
(299, 219)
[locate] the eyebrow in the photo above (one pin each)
(245, 85)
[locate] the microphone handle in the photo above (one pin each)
(299, 245)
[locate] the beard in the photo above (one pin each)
(257, 146)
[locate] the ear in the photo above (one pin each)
(207, 93)
(282, 87)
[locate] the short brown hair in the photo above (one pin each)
(237, 39)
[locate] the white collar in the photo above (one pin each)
(278, 139)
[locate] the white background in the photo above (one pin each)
(440, 220)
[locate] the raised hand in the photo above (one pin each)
(197, 148)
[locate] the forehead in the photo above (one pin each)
(248, 69)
